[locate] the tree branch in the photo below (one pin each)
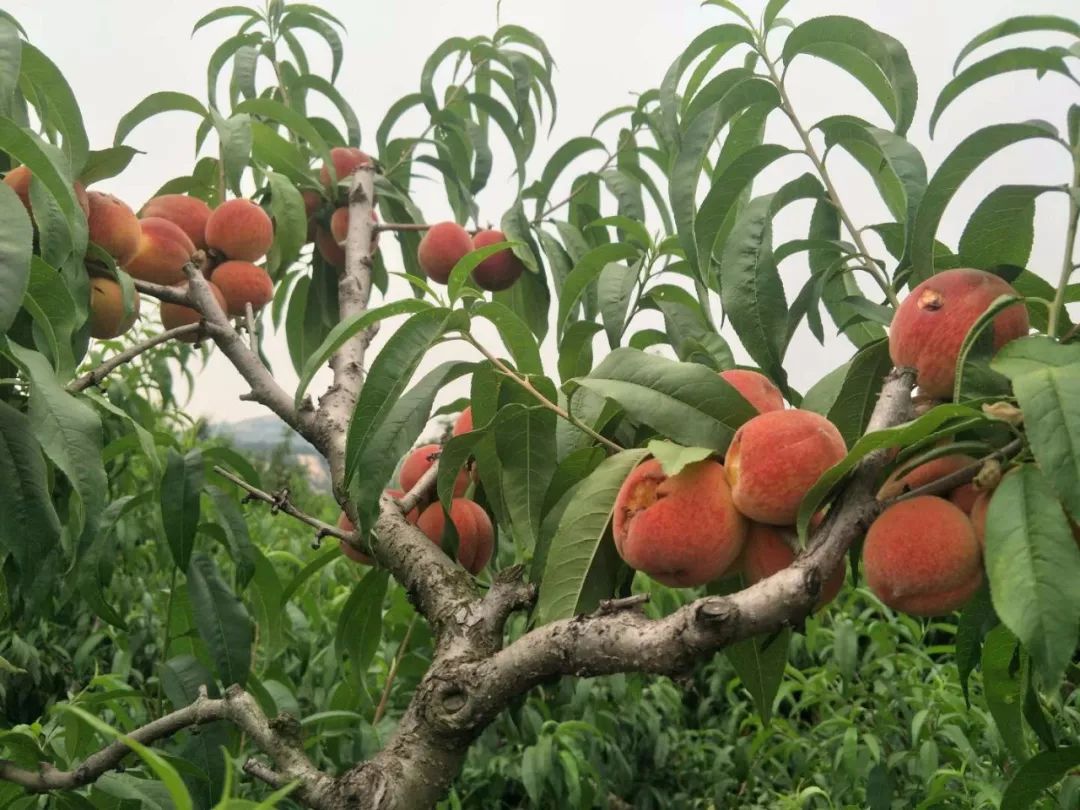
(354, 291)
(237, 707)
(96, 375)
(964, 475)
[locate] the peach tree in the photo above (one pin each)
(609, 440)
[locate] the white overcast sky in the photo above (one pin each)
(116, 52)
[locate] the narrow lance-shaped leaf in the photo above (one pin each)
(16, 247)
(221, 619)
(1018, 25)
(359, 627)
(181, 488)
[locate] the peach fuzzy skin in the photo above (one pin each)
(756, 388)
(681, 530)
(243, 283)
(107, 309)
(500, 270)
(774, 460)
(921, 557)
(313, 200)
(346, 160)
(930, 325)
(174, 315)
(463, 424)
(768, 550)
(113, 226)
(19, 181)
(163, 251)
(419, 461)
(240, 229)
(339, 229)
(443, 246)
(190, 214)
(476, 535)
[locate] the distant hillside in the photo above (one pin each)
(264, 434)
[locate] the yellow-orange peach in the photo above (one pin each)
(768, 550)
(756, 388)
(921, 556)
(240, 229)
(174, 315)
(347, 549)
(339, 230)
(107, 309)
(113, 226)
(682, 530)
(333, 253)
(190, 214)
(243, 283)
(19, 181)
(499, 271)
(476, 535)
(417, 463)
(463, 424)
(163, 251)
(775, 458)
(346, 160)
(443, 246)
(930, 325)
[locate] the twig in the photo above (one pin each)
(96, 375)
(547, 403)
(280, 503)
(574, 191)
(962, 476)
(162, 292)
(403, 647)
(249, 322)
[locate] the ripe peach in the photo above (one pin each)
(240, 229)
(353, 554)
(476, 535)
(107, 309)
(346, 160)
(339, 229)
(681, 530)
(930, 324)
(774, 460)
(500, 271)
(113, 226)
(163, 251)
(417, 463)
(442, 247)
(331, 251)
(243, 283)
(174, 315)
(463, 424)
(312, 202)
(768, 550)
(921, 556)
(190, 214)
(19, 181)
(756, 388)
(924, 474)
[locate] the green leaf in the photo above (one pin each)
(359, 628)
(70, 434)
(459, 275)
(155, 104)
(823, 36)
(957, 167)
(525, 442)
(575, 349)
(686, 402)
(222, 13)
(321, 85)
(1036, 775)
(16, 248)
(56, 104)
(101, 164)
(850, 410)
(674, 457)
(584, 273)
(29, 526)
(1003, 682)
(1018, 25)
(1000, 63)
(581, 561)
(1048, 395)
(308, 19)
(1002, 228)
(515, 335)
(239, 545)
(760, 662)
(348, 329)
(166, 774)
(10, 59)
(290, 119)
(427, 75)
(290, 223)
(234, 135)
(614, 287)
(530, 300)
(181, 488)
(557, 163)
(221, 619)
(968, 367)
(1032, 561)
(978, 619)
(264, 594)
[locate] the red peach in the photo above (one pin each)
(243, 283)
(163, 251)
(681, 530)
(113, 226)
(190, 214)
(775, 458)
(107, 309)
(313, 200)
(463, 424)
(443, 246)
(930, 325)
(921, 556)
(768, 550)
(476, 535)
(174, 315)
(240, 229)
(417, 463)
(500, 271)
(756, 388)
(346, 160)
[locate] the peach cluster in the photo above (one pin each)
(715, 519)
(446, 243)
(329, 240)
(475, 532)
